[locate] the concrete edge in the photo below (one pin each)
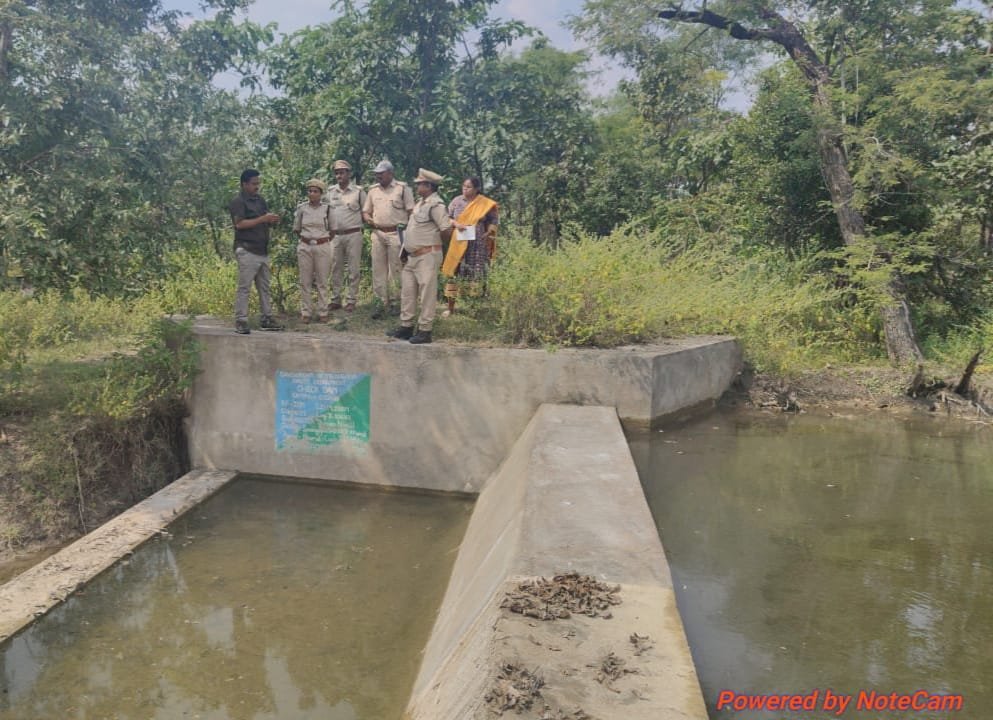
(44, 586)
(572, 462)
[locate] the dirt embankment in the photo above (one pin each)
(866, 389)
(59, 480)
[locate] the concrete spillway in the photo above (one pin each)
(558, 491)
(442, 417)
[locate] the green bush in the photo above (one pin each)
(155, 378)
(53, 319)
(589, 292)
(639, 286)
(198, 282)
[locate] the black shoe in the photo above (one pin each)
(423, 337)
(241, 327)
(401, 333)
(379, 313)
(269, 324)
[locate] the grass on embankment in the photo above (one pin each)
(90, 412)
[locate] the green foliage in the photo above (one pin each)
(350, 94)
(776, 173)
(638, 286)
(197, 282)
(588, 292)
(526, 132)
(113, 137)
(153, 379)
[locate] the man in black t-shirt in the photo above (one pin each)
(251, 218)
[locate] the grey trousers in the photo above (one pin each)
(251, 268)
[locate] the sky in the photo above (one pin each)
(546, 15)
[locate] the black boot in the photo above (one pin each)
(401, 333)
(269, 323)
(423, 337)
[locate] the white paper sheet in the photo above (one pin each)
(468, 234)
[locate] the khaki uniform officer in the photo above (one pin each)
(388, 204)
(312, 225)
(345, 200)
(429, 225)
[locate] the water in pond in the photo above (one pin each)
(820, 553)
(271, 600)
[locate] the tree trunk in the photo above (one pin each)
(901, 344)
(901, 340)
(6, 38)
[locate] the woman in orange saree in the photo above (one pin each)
(473, 243)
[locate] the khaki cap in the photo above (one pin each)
(428, 176)
(314, 182)
(341, 165)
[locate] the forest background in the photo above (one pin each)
(845, 217)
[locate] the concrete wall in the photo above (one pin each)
(40, 588)
(443, 416)
(568, 498)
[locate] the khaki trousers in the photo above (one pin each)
(314, 262)
(420, 284)
(346, 249)
(385, 265)
(251, 268)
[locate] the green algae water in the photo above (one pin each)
(813, 554)
(270, 600)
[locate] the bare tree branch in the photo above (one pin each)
(780, 31)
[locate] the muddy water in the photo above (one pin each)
(271, 600)
(810, 554)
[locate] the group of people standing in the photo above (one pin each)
(407, 237)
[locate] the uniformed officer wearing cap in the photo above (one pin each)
(345, 199)
(312, 224)
(387, 204)
(429, 226)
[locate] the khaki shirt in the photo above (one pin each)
(346, 206)
(429, 219)
(390, 206)
(311, 222)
